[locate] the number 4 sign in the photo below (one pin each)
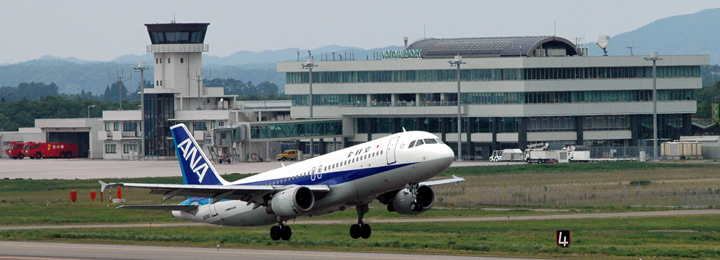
(562, 238)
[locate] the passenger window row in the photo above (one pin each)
(332, 166)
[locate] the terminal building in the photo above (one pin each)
(515, 91)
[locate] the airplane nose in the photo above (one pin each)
(446, 154)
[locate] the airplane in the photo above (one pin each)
(392, 169)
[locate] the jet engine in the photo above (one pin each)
(292, 202)
(405, 204)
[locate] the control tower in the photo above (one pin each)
(177, 49)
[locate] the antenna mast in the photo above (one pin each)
(120, 76)
(199, 79)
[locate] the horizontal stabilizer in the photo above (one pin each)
(160, 207)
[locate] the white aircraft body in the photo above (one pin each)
(392, 169)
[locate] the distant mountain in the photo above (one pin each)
(72, 75)
(683, 34)
(293, 54)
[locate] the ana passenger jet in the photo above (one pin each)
(392, 169)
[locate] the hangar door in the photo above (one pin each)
(82, 139)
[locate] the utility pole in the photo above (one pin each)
(654, 58)
(120, 76)
(199, 79)
(457, 62)
(141, 68)
(310, 64)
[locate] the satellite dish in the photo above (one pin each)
(603, 42)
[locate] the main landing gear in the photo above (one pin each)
(280, 231)
(360, 229)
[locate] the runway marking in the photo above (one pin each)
(36, 258)
(238, 251)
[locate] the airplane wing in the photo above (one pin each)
(248, 193)
(455, 179)
(160, 207)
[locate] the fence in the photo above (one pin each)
(556, 198)
(676, 187)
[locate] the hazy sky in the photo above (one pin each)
(103, 30)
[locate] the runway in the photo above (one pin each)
(61, 251)
(406, 220)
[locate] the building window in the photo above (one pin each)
(110, 148)
(129, 126)
(127, 148)
(199, 126)
(168, 60)
(181, 60)
(116, 126)
(108, 126)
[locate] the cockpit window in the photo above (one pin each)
(411, 144)
(430, 141)
(419, 142)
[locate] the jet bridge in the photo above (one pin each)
(250, 141)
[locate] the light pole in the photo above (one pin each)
(90, 106)
(141, 68)
(310, 64)
(457, 62)
(654, 58)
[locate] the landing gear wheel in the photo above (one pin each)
(275, 233)
(286, 233)
(360, 229)
(355, 231)
(365, 231)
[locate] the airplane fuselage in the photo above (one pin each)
(355, 175)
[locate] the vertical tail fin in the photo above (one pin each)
(196, 168)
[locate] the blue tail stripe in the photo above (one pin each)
(195, 166)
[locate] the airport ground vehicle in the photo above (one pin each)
(50, 150)
(288, 155)
(574, 155)
(545, 156)
(507, 155)
(15, 150)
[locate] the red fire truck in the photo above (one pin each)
(16, 150)
(50, 150)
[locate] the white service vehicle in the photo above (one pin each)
(507, 155)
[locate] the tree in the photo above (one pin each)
(135, 95)
(115, 92)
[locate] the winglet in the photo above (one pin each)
(458, 180)
(103, 185)
(196, 168)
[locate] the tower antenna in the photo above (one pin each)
(200, 79)
(120, 77)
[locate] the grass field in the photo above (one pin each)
(617, 238)
(561, 188)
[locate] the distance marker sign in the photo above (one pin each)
(562, 238)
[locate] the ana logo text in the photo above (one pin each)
(191, 152)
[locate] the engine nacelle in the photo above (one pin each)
(292, 202)
(404, 203)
